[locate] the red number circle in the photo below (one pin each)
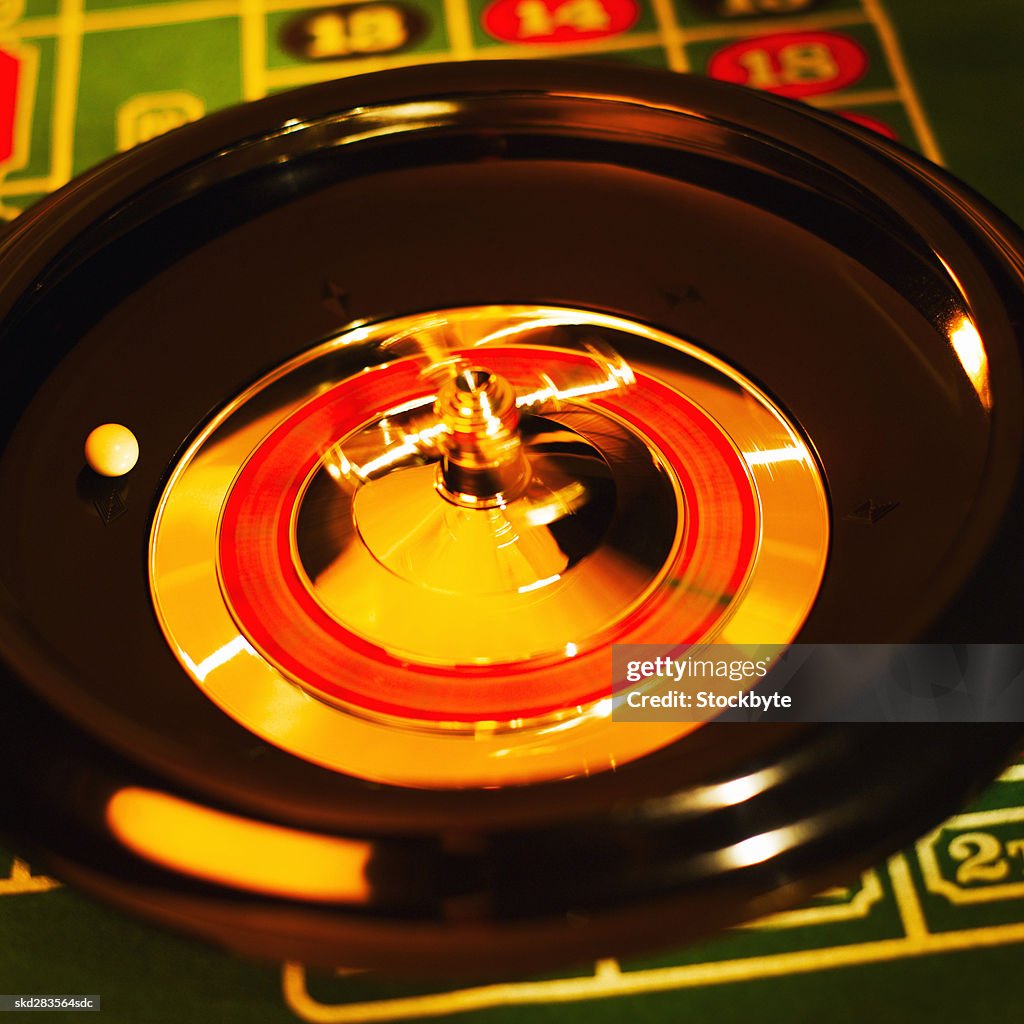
(793, 64)
(558, 21)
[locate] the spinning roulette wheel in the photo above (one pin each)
(445, 381)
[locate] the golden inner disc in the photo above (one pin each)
(450, 628)
(444, 583)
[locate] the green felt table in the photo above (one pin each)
(936, 933)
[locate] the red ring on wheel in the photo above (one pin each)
(272, 605)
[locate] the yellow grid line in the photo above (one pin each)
(853, 97)
(607, 985)
(674, 38)
(157, 16)
(65, 104)
(907, 901)
(459, 23)
(10, 12)
(273, 6)
(30, 28)
(27, 186)
(611, 44)
(908, 93)
(857, 908)
(254, 49)
(737, 30)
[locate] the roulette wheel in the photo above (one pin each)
(415, 395)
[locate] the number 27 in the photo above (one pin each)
(984, 858)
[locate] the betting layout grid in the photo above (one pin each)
(959, 888)
(62, 111)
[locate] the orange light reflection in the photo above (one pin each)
(239, 852)
(970, 351)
